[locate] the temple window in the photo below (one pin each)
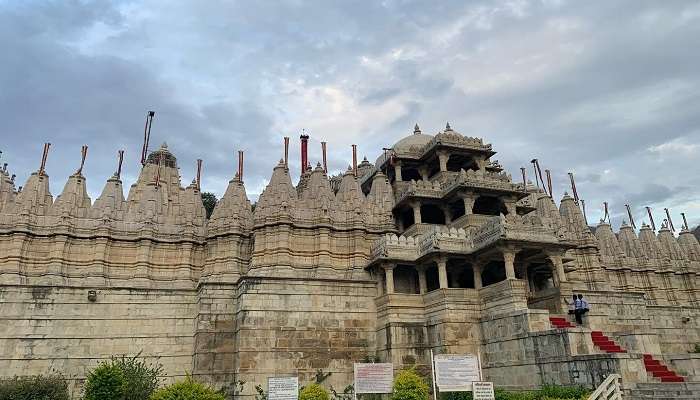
(489, 205)
(493, 272)
(460, 274)
(432, 278)
(458, 162)
(540, 276)
(457, 209)
(408, 174)
(406, 279)
(432, 214)
(406, 217)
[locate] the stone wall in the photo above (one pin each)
(57, 328)
(286, 325)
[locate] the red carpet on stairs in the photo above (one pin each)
(604, 343)
(561, 323)
(659, 370)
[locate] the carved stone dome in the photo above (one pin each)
(408, 145)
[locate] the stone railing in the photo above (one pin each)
(418, 243)
(419, 189)
(451, 138)
(394, 247)
(450, 240)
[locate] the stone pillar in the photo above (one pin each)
(555, 258)
(397, 172)
(442, 272)
(468, 203)
(443, 157)
(510, 207)
(389, 273)
(416, 213)
(477, 276)
(422, 281)
(448, 214)
(424, 172)
(509, 259)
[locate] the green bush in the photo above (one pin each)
(548, 392)
(125, 378)
(188, 389)
(408, 385)
(106, 382)
(140, 379)
(313, 391)
(39, 387)
(563, 392)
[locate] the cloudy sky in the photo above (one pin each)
(607, 90)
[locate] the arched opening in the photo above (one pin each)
(460, 274)
(456, 209)
(408, 174)
(493, 272)
(540, 276)
(433, 167)
(406, 217)
(432, 279)
(457, 162)
(431, 214)
(489, 205)
(406, 279)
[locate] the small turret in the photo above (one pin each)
(669, 246)
(649, 242)
(572, 219)
(381, 199)
(111, 203)
(74, 200)
(233, 211)
(349, 197)
(35, 197)
(607, 242)
(629, 242)
(689, 245)
(279, 196)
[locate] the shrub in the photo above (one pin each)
(408, 385)
(140, 379)
(39, 387)
(188, 389)
(106, 382)
(313, 391)
(563, 392)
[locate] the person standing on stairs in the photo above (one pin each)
(578, 309)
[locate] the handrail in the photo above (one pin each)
(608, 390)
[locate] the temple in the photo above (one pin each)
(432, 247)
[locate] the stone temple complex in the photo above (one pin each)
(432, 247)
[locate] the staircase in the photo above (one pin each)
(605, 343)
(664, 391)
(660, 370)
(561, 323)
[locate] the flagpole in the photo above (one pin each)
(432, 367)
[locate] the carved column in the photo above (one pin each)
(555, 258)
(443, 157)
(448, 214)
(397, 171)
(424, 173)
(416, 213)
(389, 273)
(422, 281)
(476, 268)
(509, 260)
(468, 203)
(442, 272)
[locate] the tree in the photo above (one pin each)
(209, 200)
(408, 385)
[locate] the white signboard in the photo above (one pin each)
(456, 373)
(483, 391)
(283, 388)
(373, 377)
